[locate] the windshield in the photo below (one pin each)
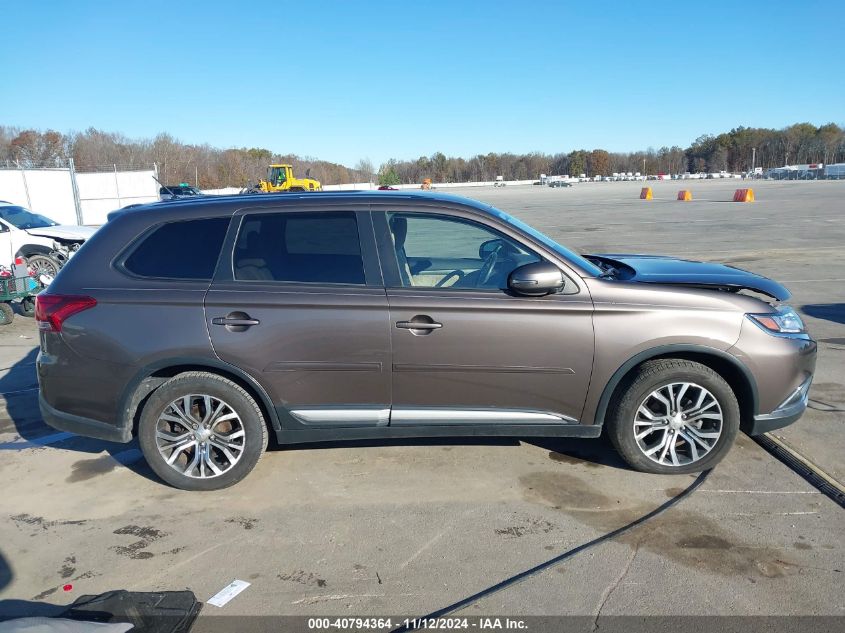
(276, 175)
(550, 243)
(24, 218)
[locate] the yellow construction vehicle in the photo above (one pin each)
(281, 178)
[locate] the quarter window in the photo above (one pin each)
(180, 250)
(299, 247)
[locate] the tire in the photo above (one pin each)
(635, 405)
(28, 306)
(43, 265)
(7, 314)
(247, 449)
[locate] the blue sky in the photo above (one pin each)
(346, 80)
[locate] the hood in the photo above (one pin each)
(64, 232)
(655, 269)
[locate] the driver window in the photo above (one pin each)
(443, 252)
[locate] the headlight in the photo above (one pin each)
(783, 321)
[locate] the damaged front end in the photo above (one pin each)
(657, 269)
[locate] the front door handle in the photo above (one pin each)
(235, 321)
(410, 325)
(228, 321)
(420, 324)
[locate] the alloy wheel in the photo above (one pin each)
(678, 423)
(200, 436)
(43, 265)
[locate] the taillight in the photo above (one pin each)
(52, 310)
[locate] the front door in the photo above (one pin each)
(465, 349)
(301, 307)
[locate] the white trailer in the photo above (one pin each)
(836, 171)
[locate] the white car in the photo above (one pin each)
(44, 244)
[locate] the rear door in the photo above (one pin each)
(300, 305)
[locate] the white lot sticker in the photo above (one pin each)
(228, 592)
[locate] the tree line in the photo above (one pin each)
(203, 165)
(736, 151)
(210, 167)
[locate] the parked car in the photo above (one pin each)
(43, 243)
(559, 183)
(330, 316)
(386, 188)
(182, 190)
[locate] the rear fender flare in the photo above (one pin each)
(135, 390)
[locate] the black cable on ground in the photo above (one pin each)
(560, 557)
(814, 475)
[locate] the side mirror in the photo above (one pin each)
(536, 280)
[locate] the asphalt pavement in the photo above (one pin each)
(374, 528)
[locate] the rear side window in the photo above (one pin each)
(299, 247)
(180, 250)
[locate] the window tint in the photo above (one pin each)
(445, 252)
(180, 250)
(299, 247)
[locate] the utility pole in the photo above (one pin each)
(25, 185)
(753, 158)
(117, 186)
(76, 202)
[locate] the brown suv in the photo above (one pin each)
(200, 325)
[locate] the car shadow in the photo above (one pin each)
(594, 453)
(14, 609)
(590, 452)
(19, 390)
(6, 574)
(10, 609)
(404, 441)
(828, 311)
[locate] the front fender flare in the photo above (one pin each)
(667, 351)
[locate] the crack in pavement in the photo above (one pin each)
(612, 587)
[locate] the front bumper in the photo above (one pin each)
(782, 368)
(82, 426)
(788, 412)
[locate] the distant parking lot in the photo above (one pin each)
(408, 528)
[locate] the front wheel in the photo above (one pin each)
(201, 431)
(673, 416)
(43, 265)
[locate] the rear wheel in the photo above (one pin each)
(200, 431)
(7, 314)
(673, 416)
(28, 306)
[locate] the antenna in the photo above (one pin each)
(165, 187)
